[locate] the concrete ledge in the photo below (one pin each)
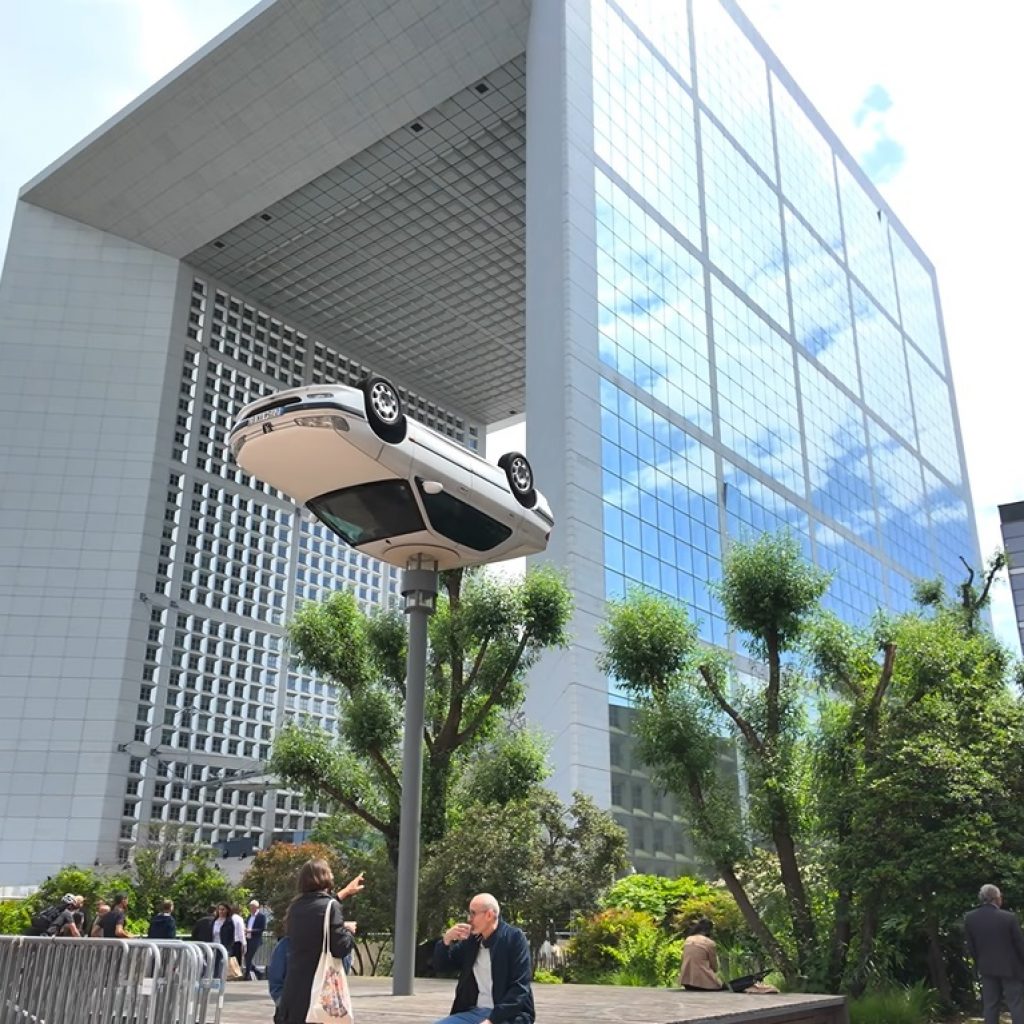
(248, 1003)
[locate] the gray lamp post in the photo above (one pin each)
(419, 588)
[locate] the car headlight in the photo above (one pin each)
(323, 423)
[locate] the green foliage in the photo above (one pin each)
(541, 859)
(484, 636)
(15, 917)
(272, 877)
(88, 882)
(508, 769)
(542, 977)
(914, 1005)
(769, 591)
(185, 874)
(676, 904)
(623, 947)
(870, 823)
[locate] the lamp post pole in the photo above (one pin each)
(419, 589)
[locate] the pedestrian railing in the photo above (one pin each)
(109, 981)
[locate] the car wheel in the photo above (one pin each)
(520, 478)
(384, 409)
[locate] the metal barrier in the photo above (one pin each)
(109, 981)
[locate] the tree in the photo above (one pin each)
(881, 813)
(484, 636)
(545, 861)
(686, 699)
(272, 877)
(924, 797)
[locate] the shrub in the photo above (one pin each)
(914, 1005)
(542, 977)
(676, 904)
(14, 917)
(622, 947)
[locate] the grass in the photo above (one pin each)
(914, 1005)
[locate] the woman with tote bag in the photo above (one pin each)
(315, 927)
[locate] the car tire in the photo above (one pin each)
(519, 474)
(384, 410)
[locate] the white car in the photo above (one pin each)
(386, 484)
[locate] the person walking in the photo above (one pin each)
(494, 960)
(305, 931)
(112, 922)
(254, 929)
(996, 945)
(202, 930)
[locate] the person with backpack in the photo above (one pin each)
(58, 919)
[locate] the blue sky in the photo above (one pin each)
(925, 93)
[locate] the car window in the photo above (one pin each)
(462, 523)
(369, 512)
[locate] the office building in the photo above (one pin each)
(619, 219)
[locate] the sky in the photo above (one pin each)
(926, 94)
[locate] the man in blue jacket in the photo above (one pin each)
(494, 961)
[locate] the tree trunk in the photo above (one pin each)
(937, 962)
(840, 947)
(868, 928)
(757, 926)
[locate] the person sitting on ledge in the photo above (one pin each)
(699, 970)
(494, 960)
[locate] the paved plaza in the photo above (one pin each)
(248, 1003)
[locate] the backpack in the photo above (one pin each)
(45, 920)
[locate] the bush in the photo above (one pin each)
(542, 977)
(14, 917)
(622, 947)
(676, 904)
(914, 1005)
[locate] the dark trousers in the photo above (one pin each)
(250, 954)
(995, 990)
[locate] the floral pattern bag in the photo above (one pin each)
(329, 1000)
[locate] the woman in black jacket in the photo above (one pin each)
(305, 929)
(224, 931)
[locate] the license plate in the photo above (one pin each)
(270, 413)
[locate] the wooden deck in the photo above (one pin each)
(248, 1003)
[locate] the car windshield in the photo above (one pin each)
(462, 523)
(369, 512)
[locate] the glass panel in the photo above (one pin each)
(733, 81)
(744, 229)
(461, 523)
(883, 366)
(821, 303)
(369, 512)
(664, 25)
(651, 306)
(867, 240)
(933, 406)
(837, 452)
(917, 301)
(643, 122)
(661, 490)
(757, 389)
(857, 589)
(806, 168)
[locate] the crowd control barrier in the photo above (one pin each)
(109, 981)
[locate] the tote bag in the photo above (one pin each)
(329, 1001)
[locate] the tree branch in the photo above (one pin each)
(496, 693)
(351, 804)
(741, 723)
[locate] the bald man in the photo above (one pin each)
(493, 959)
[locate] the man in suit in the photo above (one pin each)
(494, 963)
(254, 929)
(996, 945)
